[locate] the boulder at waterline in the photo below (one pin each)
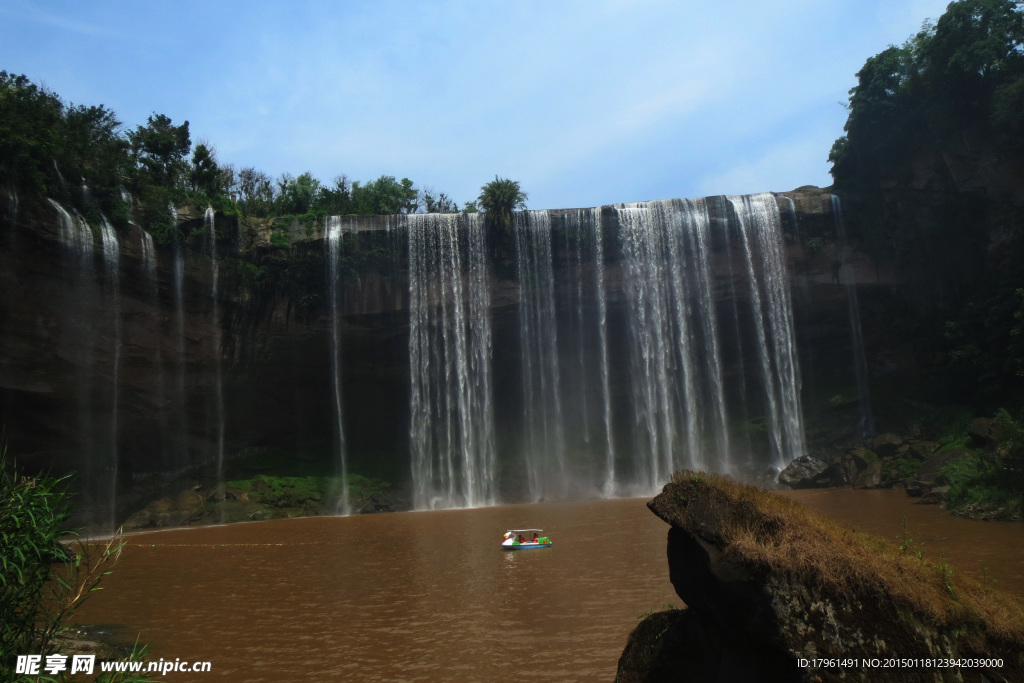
(766, 580)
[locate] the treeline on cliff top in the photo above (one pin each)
(957, 81)
(82, 157)
(931, 160)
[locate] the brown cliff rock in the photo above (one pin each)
(770, 587)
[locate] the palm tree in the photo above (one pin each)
(499, 198)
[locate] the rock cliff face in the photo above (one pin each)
(119, 394)
(771, 589)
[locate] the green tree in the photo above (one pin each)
(439, 203)
(499, 198)
(159, 149)
(385, 196)
(29, 115)
(336, 199)
(297, 195)
(205, 175)
(255, 192)
(91, 145)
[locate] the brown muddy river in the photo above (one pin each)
(430, 596)
(395, 597)
(991, 552)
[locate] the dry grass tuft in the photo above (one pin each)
(764, 531)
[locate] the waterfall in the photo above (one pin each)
(74, 233)
(662, 285)
(112, 266)
(12, 206)
(148, 257)
(77, 239)
(761, 235)
(178, 278)
(866, 427)
(544, 437)
(179, 325)
(696, 276)
(209, 224)
(60, 177)
(452, 437)
(149, 273)
(584, 244)
(332, 229)
(126, 196)
(608, 489)
(676, 366)
(575, 237)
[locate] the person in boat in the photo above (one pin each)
(534, 537)
(521, 539)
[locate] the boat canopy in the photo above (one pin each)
(516, 531)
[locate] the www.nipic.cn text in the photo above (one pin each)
(35, 665)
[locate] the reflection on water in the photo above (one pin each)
(991, 552)
(406, 596)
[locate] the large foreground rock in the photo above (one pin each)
(771, 589)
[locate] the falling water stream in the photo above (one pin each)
(333, 231)
(544, 448)
(452, 418)
(761, 235)
(860, 363)
(149, 266)
(112, 264)
(178, 279)
(673, 269)
(209, 223)
(77, 239)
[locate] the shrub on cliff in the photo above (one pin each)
(991, 484)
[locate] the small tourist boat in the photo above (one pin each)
(514, 539)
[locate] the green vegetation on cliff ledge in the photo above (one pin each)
(990, 484)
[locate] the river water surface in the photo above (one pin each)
(431, 596)
(396, 597)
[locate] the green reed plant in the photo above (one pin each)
(43, 579)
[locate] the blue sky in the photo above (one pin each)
(584, 103)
